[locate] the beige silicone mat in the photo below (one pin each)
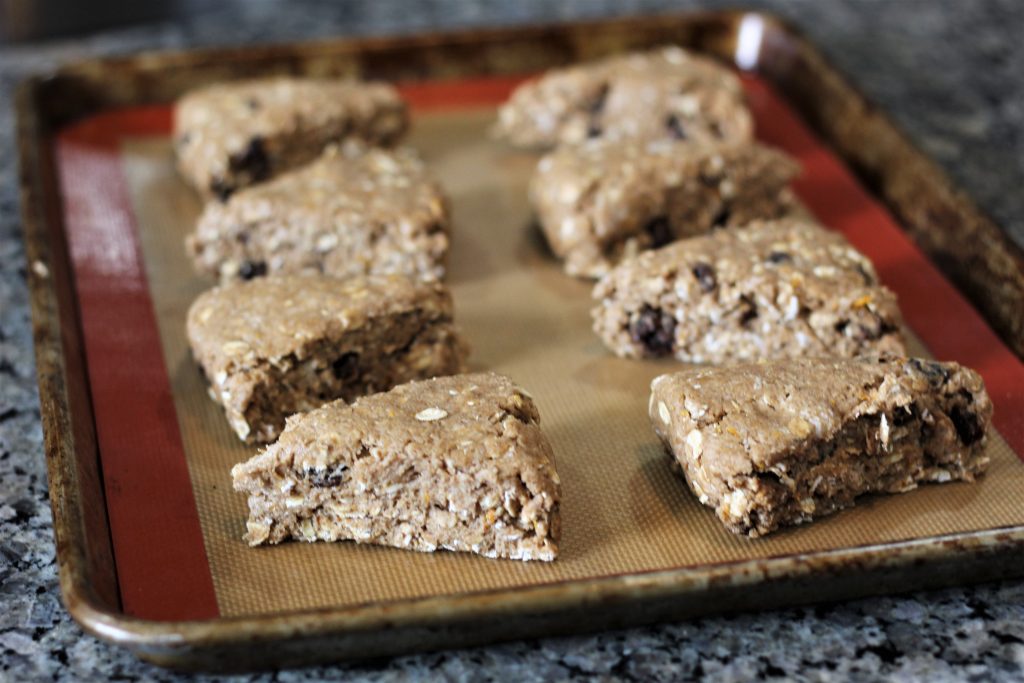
(623, 510)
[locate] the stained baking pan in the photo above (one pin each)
(148, 530)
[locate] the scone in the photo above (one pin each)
(603, 201)
(354, 211)
(231, 135)
(768, 445)
(279, 345)
(454, 463)
(666, 93)
(775, 289)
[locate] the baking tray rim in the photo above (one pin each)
(537, 599)
(58, 338)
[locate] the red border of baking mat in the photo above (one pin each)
(158, 544)
(163, 572)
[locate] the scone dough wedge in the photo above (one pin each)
(665, 93)
(768, 445)
(278, 345)
(231, 135)
(356, 210)
(775, 289)
(604, 201)
(455, 463)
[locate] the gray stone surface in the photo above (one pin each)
(949, 72)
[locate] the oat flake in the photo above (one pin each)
(431, 414)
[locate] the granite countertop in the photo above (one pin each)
(948, 71)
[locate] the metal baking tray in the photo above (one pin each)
(148, 546)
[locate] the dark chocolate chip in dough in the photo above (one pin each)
(903, 415)
(932, 370)
(968, 426)
(325, 478)
(755, 520)
(748, 308)
(887, 327)
(250, 269)
(779, 257)
(654, 329)
(705, 275)
(221, 189)
(252, 161)
(253, 103)
(675, 128)
(660, 231)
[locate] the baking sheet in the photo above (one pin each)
(624, 511)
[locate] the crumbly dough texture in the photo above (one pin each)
(775, 289)
(455, 463)
(773, 444)
(354, 211)
(663, 93)
(230, 135)
(603, 201)
(279, 345)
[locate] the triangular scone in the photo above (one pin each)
(354, 211)
(284, 344)
(601, 202)
(667, 92)
(458, 463)
(231, 135)
(775, 289)
(772, 444)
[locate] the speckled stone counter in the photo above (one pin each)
(948, 71)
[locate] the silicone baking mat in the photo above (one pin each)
(166, 450)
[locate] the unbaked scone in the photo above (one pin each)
(768, 445)
(233, 134)
(455, 463)
(666, 93)
(775, 289)
(279, 345)
(356, 210)
(603, 201)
